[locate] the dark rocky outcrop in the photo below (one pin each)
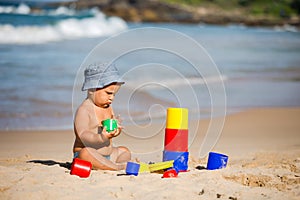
(157, 11)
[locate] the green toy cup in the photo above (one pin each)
(110, 124)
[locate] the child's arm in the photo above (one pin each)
(84, 132)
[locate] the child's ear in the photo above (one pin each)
(90, 94)
(91, 91)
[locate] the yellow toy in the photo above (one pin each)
(177, 118)
(161, 165)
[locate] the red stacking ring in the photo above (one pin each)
(176, 140)
(81, 168)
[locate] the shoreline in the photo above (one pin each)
(233, 111)
(263, 145)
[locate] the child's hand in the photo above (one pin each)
(108, 134)
(118, 130)
(113, 133)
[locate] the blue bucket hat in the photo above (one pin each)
(100, 75)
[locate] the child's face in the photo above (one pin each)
(104, 97)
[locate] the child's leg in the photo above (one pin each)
(98, 161)
(120, 154)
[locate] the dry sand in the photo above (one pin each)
(263, 146)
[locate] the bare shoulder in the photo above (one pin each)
(84, 109)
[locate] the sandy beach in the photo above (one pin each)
(263, 146)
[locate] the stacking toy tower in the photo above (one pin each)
(176, 138)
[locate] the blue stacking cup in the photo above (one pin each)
(132, 168)
(216, 161)
(180, 159)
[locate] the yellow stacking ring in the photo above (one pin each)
(177, 118)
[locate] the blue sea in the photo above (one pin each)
(211, 70)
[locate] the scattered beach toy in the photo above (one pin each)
(81, 168)
(144, 167)
(216, 161)
(171, 173)
(161, 165)
(132, 168)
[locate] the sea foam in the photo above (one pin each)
(96, 24)
(21, 9)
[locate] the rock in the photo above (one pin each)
(158, 11)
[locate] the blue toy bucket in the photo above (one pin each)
(132, 168)
(216, 161)
(180, 159)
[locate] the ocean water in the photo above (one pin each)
(42, 55)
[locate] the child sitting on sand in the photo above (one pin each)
(93, 143)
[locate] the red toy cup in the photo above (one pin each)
(81, 168)
(176, 140)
